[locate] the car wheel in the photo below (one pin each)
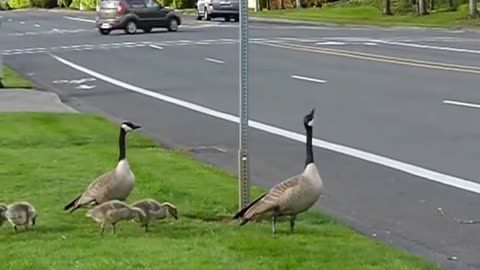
(197, 13)
(104, 31)
(206, 16)
(172, 25)
(131, 28)
(147, 29)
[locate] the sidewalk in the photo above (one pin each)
(21, 100)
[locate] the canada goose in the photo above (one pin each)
(155, 210)
(21, 214)
(114, 211)
(113, 185)
(292, 196)
(3, 213)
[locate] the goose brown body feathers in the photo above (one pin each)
(20, 214)
(155, 210)
(114, 211)
(116, 184)
(292, 196)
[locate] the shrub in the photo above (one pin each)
(64, 3)
(181, 4)
(4, 5)
(44, 3)
(167, 3)
(15, 4)
(87, 4)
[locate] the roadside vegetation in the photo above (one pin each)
(47, 159)
(14, 80)
(428, 13)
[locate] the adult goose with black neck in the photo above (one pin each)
(113, 185)
(292, 196)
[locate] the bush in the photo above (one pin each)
(15, 4)
(4, 5)
(44, 3)
(167, 3)
(64, 3)
(181, 4)
(87, 4)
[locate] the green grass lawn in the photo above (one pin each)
(14, 80)
(47, 159)
(372, 16)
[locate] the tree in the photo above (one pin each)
(387, 10)
(450, 4)
(422, 7)
(473, 8)
(298, 3)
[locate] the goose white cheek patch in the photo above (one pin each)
(126, 128)
(310, 123)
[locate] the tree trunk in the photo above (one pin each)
(432, 4)
(473, 8)
(422, 7)
(450, 4)
(298, 4)
(387, 7)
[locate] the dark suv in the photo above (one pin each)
(131, 15)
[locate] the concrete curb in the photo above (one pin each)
(29, 100)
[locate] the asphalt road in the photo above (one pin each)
(394, 143)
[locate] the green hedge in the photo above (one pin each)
(64, 3)
(15, 4)
(44, 3)
(180, 4)
(87, 4)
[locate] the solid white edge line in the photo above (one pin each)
(303, 78)
(430, 47)
(214, 60)
(78, 19)
(155, 47)
(434, 176)
(464, 104)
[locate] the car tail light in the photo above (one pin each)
(121, 8)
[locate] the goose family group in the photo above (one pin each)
(105, 197)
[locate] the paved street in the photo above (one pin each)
(397, 125)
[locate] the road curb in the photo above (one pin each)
(32, 100)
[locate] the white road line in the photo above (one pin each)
(385, 161)
(22, 22)
(79, 19)
(303, 78)
(421, 46)
(464, 104)
(214, 60)
(36, 25)
(330, 43)
(155, 47)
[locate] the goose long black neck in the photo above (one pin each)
(121, 145)
(309, 149)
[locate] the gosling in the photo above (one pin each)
(155, 210)
(114, 211)
(21, 214)
(3, 213)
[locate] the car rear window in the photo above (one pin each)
(106, 4)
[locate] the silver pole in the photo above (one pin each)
(243, 162)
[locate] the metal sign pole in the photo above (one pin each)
(1, 60)
(243, 162)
